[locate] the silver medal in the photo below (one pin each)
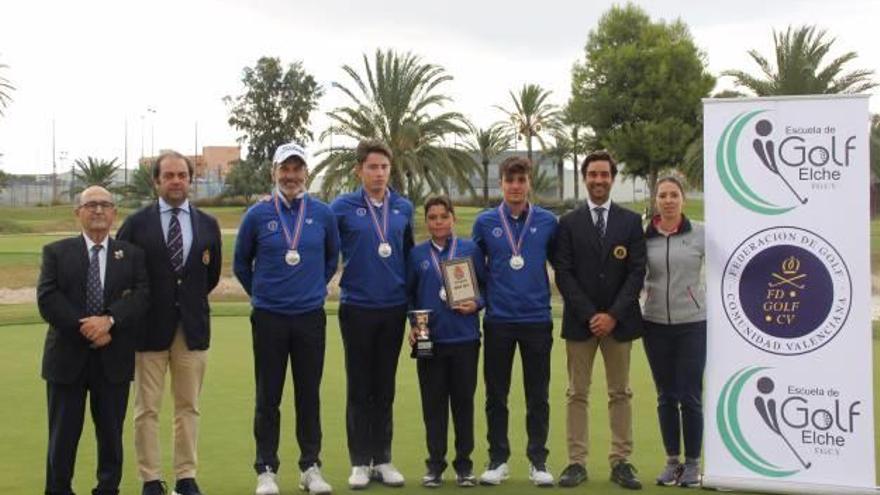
(517, 262)
(292, 257)
(384, 250)
(443, 294)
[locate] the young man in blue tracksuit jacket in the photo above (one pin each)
(447, 380)
(375, 226)
(516, 238)
(286, 252)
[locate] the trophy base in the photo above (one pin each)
(424, 349)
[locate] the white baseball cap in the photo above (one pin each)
(286, 151)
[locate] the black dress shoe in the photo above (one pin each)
(573, 475)
(186, 486)
(155, 487)
(623, 473)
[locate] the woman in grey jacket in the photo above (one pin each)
(675, 331)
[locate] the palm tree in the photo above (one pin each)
(94, 172)
(799, 54)
(562, 148)
(532, 115)
(141, 184)
(395, 99)
(6, 89)
(487, 143)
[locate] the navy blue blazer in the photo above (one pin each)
(600, 275)
(176, 299)
(61, 298)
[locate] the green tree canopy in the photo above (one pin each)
(487, 144)
(639, 88)
(799, 54)
(274, 107)
(4, 180)
(532, 115)
(248, 178)
(396, 99)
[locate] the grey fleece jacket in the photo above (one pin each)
(674, 282)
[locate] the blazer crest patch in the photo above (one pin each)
(619, 252)
(206, 257)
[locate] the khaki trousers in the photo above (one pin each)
(616, 356)
(187, 372)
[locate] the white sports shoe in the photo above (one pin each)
(266, 484)
(312, 481)
(495, 475)
(360, 477)
(540, 476)
(388, 474)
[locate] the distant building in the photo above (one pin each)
(213, 164)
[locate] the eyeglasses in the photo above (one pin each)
(94, 205)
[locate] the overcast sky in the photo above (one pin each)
(93, 64)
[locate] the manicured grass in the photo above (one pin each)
(226, 442)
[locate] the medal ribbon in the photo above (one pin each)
(436, 261)
(514, 247)
(297, 232)
(381, 231)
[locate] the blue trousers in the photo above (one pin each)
(677, 355)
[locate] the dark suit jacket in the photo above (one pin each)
(176, 298)
(600, 276)
(61, 297)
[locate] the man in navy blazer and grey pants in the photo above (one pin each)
(182, 246)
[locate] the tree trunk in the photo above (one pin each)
(574, 159)
(560, 178)
(486, 182)
(651, 207)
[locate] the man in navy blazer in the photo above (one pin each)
(600, 269)
(91, 291)
(182, 246)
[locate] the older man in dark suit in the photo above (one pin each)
(600, 269)
(182, 246)
(91, 290)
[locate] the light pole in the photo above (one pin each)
(141, 161)
(152, 110)
(54, 165)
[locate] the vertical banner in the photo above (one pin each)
(789, 393)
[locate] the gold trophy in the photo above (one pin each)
(424, 347)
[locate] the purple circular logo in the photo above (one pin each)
(786, 290)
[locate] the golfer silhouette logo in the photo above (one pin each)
(767, 411)
(766, 151)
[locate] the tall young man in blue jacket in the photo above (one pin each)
(516, 238)
(286, 252)
(375, 226)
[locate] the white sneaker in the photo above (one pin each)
(388, 474)
(266, 484)
(540, 476)
(312, 481)
(495, 475)
(360, 477)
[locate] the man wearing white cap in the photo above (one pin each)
(286, 251)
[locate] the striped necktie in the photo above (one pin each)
(175, 241)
